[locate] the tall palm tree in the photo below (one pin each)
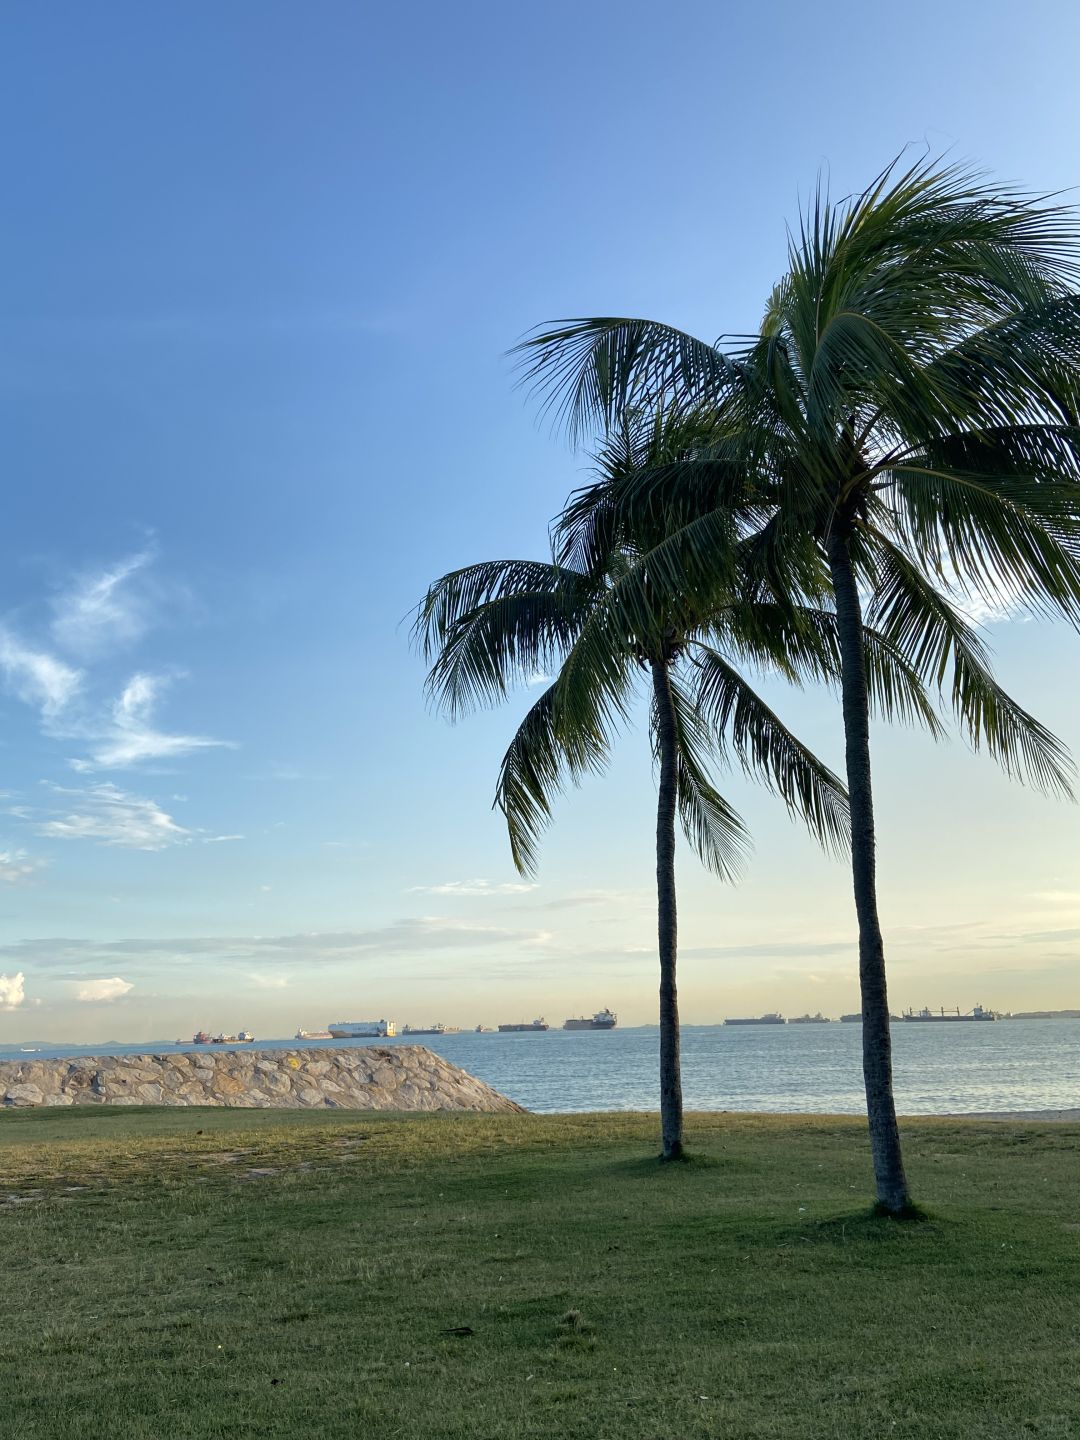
(907, 416)
(600, 628)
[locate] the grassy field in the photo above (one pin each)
(227, 1273)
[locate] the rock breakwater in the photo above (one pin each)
(400, 1077)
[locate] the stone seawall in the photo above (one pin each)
(400, 1077)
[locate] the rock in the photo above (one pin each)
(406, 1077)
(23, 1095)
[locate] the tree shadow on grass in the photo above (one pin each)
(871, 1226)
(648, 1166)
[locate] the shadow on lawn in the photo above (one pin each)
(644, 1167)
(871, 1226)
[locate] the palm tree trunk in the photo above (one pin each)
(671, 1102)
(892, 1188)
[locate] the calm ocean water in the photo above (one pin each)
(1011, 1065)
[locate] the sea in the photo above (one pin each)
(1010, 1065)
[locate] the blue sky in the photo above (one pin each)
(262, 262)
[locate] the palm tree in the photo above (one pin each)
(907, 417)
(600, 628)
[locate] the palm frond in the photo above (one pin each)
(711, 825)
(491, 626)
(589, 372)
(768, 750)
(540, 760)
(997, 510)
(922, 624)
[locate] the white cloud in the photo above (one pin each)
(16, 866)
(989, 604)
(130, 736)
(37, 677)
(112, 817)
(101, 992)
(473, 887)
(12, 993)
(269, 982)
(101, 611)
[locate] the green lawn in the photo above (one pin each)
(157, 1282)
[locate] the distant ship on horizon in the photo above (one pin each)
(602, 1020)
(520, 1029)
(924, 1015)
(362, 1029)
(772, 1018)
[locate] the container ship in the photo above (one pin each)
(203, 1037)
(602, 1020)
(773, 1018)
(362, 1029)
(817, 1019)
(521, 1028)
(931, 1016)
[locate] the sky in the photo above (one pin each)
(262, 263)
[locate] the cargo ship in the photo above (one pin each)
(302, 1034)
(856, 1019)
(602, 1020)
(772, 1018)
(931, 1016)
(817, 1019)
(521, 1028)
(430, 1030)
(361, 1029)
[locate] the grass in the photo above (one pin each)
(217, 1273)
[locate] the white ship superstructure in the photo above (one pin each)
(362, 1029)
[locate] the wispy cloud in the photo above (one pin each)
(101, 611)
(131, 737)
(36, 677)
(258, 954)
(990, 604)
(16, 867)
(473, 887)
(12, 991)
(269, 982)
(102, 992)
(109, 816)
